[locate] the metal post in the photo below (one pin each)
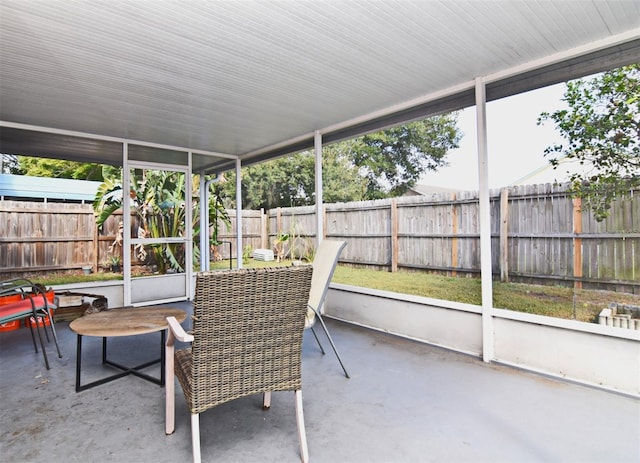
(204, 225)
(485, 222)
(238, 213)
(317, 140)
(126, 221)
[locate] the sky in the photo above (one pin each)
(516, 143)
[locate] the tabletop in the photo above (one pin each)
(126, 321)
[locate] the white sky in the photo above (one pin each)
(516, 143)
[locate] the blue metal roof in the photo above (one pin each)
(22, 186)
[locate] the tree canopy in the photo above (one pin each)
(602, 129)
(393, 160)
(290, 181)
(57, 168)
(378, 165)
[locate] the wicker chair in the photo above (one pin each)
(247, 339)
(324, 265)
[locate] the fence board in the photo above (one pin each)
(435, 232)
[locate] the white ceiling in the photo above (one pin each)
(255, 79)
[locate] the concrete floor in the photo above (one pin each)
(405, 402)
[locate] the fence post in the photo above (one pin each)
(278, 220)
(577, 242)
(96, 248)
(393, 213)
(264, 233)
(454, 233)
(504, 235)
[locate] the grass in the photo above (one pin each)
(71, 277)
(553, 301)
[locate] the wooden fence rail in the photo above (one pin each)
(539, 234)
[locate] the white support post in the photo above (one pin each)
(126, 222)
(238, 213)
(485, 222)
(204, 226)
(317, 139)
(188, 218)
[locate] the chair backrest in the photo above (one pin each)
(247, 329)
(324, 264)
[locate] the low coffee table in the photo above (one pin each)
(129, 321)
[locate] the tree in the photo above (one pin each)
(393, 160)
(290, 181)
(57, 168)
(374, 166)
(602, 129)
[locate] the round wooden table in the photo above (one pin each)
(129, 321)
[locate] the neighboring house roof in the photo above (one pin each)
(546, 173)
(417, 190)
(50, 189)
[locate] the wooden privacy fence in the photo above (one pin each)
(42, 237)
(539, 234)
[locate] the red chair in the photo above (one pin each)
(21, 299)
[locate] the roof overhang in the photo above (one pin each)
(255, 80)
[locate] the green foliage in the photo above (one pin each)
(393, 160)
(56, 168)
(375, 166)
(279, 245)
(247, 253)
(602, 129)
(217, 213)
(158, 202)
(553, 301)
(290, 181)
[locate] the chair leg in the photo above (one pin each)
(317, 340)
(266, 400)
(169, 386)
(44, 352)
(33, 338)
(324, 327)
(55, 335)
(302, 436)
(44, 327)
(195, 436)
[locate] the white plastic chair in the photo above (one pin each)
(324, 264)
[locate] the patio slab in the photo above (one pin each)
(405, 402)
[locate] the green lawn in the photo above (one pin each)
(554, 301)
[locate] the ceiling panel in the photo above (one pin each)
(256, 77)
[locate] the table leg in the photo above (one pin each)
(78, 362)
(125, 369)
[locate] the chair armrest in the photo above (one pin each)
(178, 331)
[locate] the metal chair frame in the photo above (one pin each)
(324, 265)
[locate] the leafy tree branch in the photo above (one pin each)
(602, 132)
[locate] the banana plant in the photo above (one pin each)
(158, 201)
